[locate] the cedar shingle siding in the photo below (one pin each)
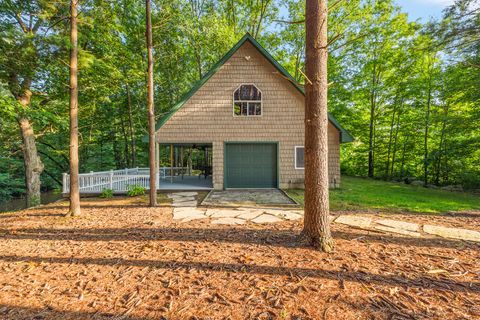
(208, 117)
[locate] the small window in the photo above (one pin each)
(299, 158)
(247, 101)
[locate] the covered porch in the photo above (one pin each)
(184, 166)
(178, 166)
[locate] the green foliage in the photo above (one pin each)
(135, 190)
(106, 193)
(9, 187)
(359, 193)
(382, 68)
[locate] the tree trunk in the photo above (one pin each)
(151, 114)
(425, 141)
(440, 145)
(126, 151)
(33, 163)
(74, 190)
(404, 153)
(371, 167)
(395, 144)
(131, 128)
(389, 148)
(316, 223)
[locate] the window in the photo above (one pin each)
(299, 158)
(247, 101)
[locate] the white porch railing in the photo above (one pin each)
(118, 180)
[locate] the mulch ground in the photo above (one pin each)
(123, 260)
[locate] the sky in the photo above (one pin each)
(424, 9)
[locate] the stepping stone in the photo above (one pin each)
(354, 221)
(399, 224)
(300, 212)
(249, 215)
(289, 215)
(180, 198)
(183, 213)
(284, 214)
(184, 194)
(222, 213)
(194, 218)
(228, 221)
(455, 233)
(174, 196)
(192, 204)
(184, 199)
(399, 231)
(275, 212)
(266, 218)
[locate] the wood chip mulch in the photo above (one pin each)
(123, 260)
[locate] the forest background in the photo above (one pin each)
(408, 91)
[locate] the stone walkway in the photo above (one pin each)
(185, 209)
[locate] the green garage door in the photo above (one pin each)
(251, 165)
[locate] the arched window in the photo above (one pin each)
(247, 101)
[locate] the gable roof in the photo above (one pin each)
(345, 135)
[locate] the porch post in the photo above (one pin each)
(157, 164)
(171, 163)
(64, 180)
(181, 160)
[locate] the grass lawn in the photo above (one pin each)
(360, 193)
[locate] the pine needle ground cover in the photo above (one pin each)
(363, 194)
(123, 260)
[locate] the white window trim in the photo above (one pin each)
(295, 155)
(247, 101)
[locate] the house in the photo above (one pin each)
(247, 113)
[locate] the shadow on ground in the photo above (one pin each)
(284, 238)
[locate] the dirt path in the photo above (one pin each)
(123, 259)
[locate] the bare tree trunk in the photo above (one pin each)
(151, 114)
(316, 227)
(74, 190)
(32, 162)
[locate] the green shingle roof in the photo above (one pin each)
(345, 135)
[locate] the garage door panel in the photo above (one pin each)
(252, 165)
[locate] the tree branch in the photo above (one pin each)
(334, 5)
(290, 22)
(20, 22)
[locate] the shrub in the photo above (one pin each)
(106, 193)
(470, 180)
(135, 190)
